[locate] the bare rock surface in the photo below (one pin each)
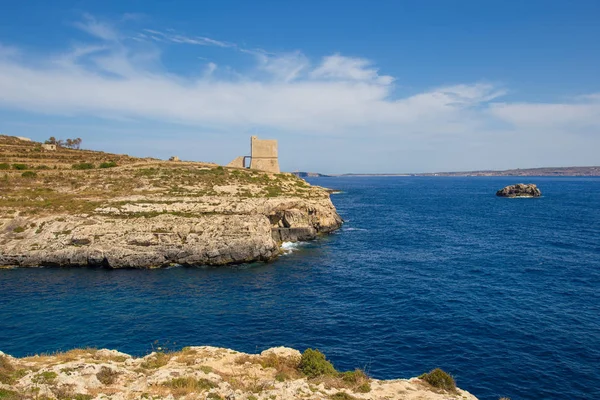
(519, 190)
(217, 233)
(193, 373)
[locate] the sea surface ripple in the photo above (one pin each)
(426, 272)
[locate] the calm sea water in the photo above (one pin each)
(426, 272)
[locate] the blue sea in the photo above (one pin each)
(426, 272)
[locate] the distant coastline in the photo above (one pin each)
(543, 171)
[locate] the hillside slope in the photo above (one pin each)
(79, 207)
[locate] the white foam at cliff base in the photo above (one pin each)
(289, 247)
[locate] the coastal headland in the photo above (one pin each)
(63, 206)
(278, 373)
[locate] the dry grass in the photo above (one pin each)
(62, 357)
(157, 360)
(107, 376)
(55, 187)
(188, 385)
(7, 371)
(285, 367)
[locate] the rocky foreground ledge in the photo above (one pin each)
(203, 373)
(85, 208)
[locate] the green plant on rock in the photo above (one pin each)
(159, 359)
(6, 370)
(313, 364)
(342, 396)
(6, 394)
(440, 379)
(185, 385)
(28, 174)
(46, 377)
(84, 165)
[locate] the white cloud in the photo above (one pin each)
(100, 30)
(356, 69)
(285, 67)
(286, 93)
(574, 116)
(183, 39)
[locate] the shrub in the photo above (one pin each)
(4, 166)
(440, 379)
(20, 167)
(313, 364)
(159, 360)
(110, 164)
(6, 370)
(28, 174)
(46, 377)
(19, 229)
(9, 394)
(42, 167)
(107, 375)
(342, 396)
(186, 385)
(357, 379)
(83, 166)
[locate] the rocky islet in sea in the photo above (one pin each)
(519, 190)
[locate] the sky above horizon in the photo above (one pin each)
(352, 86)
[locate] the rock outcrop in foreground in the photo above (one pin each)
(196, 373)
(520, 190)
(84, 208)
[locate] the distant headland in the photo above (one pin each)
(542, 171)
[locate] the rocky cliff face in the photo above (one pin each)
(195, 373)
(58, 211)
(520, 190)
(165, 233)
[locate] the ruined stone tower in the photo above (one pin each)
(263, 156)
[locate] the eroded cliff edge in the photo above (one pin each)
(201, 373)
(83, 208)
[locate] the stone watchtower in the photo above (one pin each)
(263, 156)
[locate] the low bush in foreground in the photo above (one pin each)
(110, 164)
(187, 385)
(107, 376)
(313, 364)
(440, 379)
(6, 370)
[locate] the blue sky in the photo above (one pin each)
(352, 86)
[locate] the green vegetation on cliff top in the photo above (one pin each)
(73, 181)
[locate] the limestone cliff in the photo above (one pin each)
(77, 208)
(197, 373)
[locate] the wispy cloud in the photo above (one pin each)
(183, 39)
(100, 30)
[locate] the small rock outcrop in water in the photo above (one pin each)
(198, 373)
(520, 190)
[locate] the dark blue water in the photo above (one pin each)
(427, 272)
